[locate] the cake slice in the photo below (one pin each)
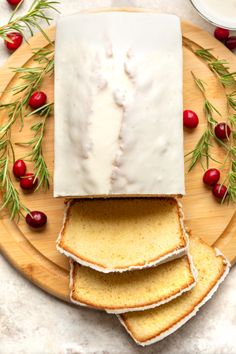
(147, 327)
(116, 235)
(120, 133)
(133, 290)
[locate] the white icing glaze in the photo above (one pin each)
(108, 48)
(179, 252)
(192, 314)
(115, 107)
(218, 11)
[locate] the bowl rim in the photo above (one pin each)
(209, 20)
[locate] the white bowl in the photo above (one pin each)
(213, 16)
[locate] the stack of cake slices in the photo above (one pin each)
(133, 258)
(119, 137)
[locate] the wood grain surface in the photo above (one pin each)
(34, 253)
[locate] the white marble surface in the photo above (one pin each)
(32, 322)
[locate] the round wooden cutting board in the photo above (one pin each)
(34, 253)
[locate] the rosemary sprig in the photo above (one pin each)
(36, 153)
(227, 79)
(209, 109)
(218, 66)
(11, 198)
(30, 80)
(35, 14)
(45, 58)
(201, 151)
(231, 178)
(202, 148)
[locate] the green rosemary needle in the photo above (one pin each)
(231, 99)
(218, 66)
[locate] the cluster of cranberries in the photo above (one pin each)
(223, 35)
(28, 181)
(222, 131)
(210, 178)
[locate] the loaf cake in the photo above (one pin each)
(118, 120)
(132, 290)
(120, 234)
(150, 326)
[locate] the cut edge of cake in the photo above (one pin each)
(114, 196)
(173, 254)
(195, 309)
(143, 307)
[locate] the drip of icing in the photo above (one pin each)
(122, 97)
(119, 180)
(101, 82)
(130, 53)
(108, 48)
(129, 66)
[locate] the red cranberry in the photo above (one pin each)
(211, 176)
(221, 33)
(190, 119)
(36, 219)
(231, 42)
(37, 99)
(222, 131)
(19, 168)
(28, 182)
(14, 2)
(219, 191)
(16, 39)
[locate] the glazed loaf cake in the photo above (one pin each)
(147, 327)
(133, 290)
(120, 234)
(118, 120)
